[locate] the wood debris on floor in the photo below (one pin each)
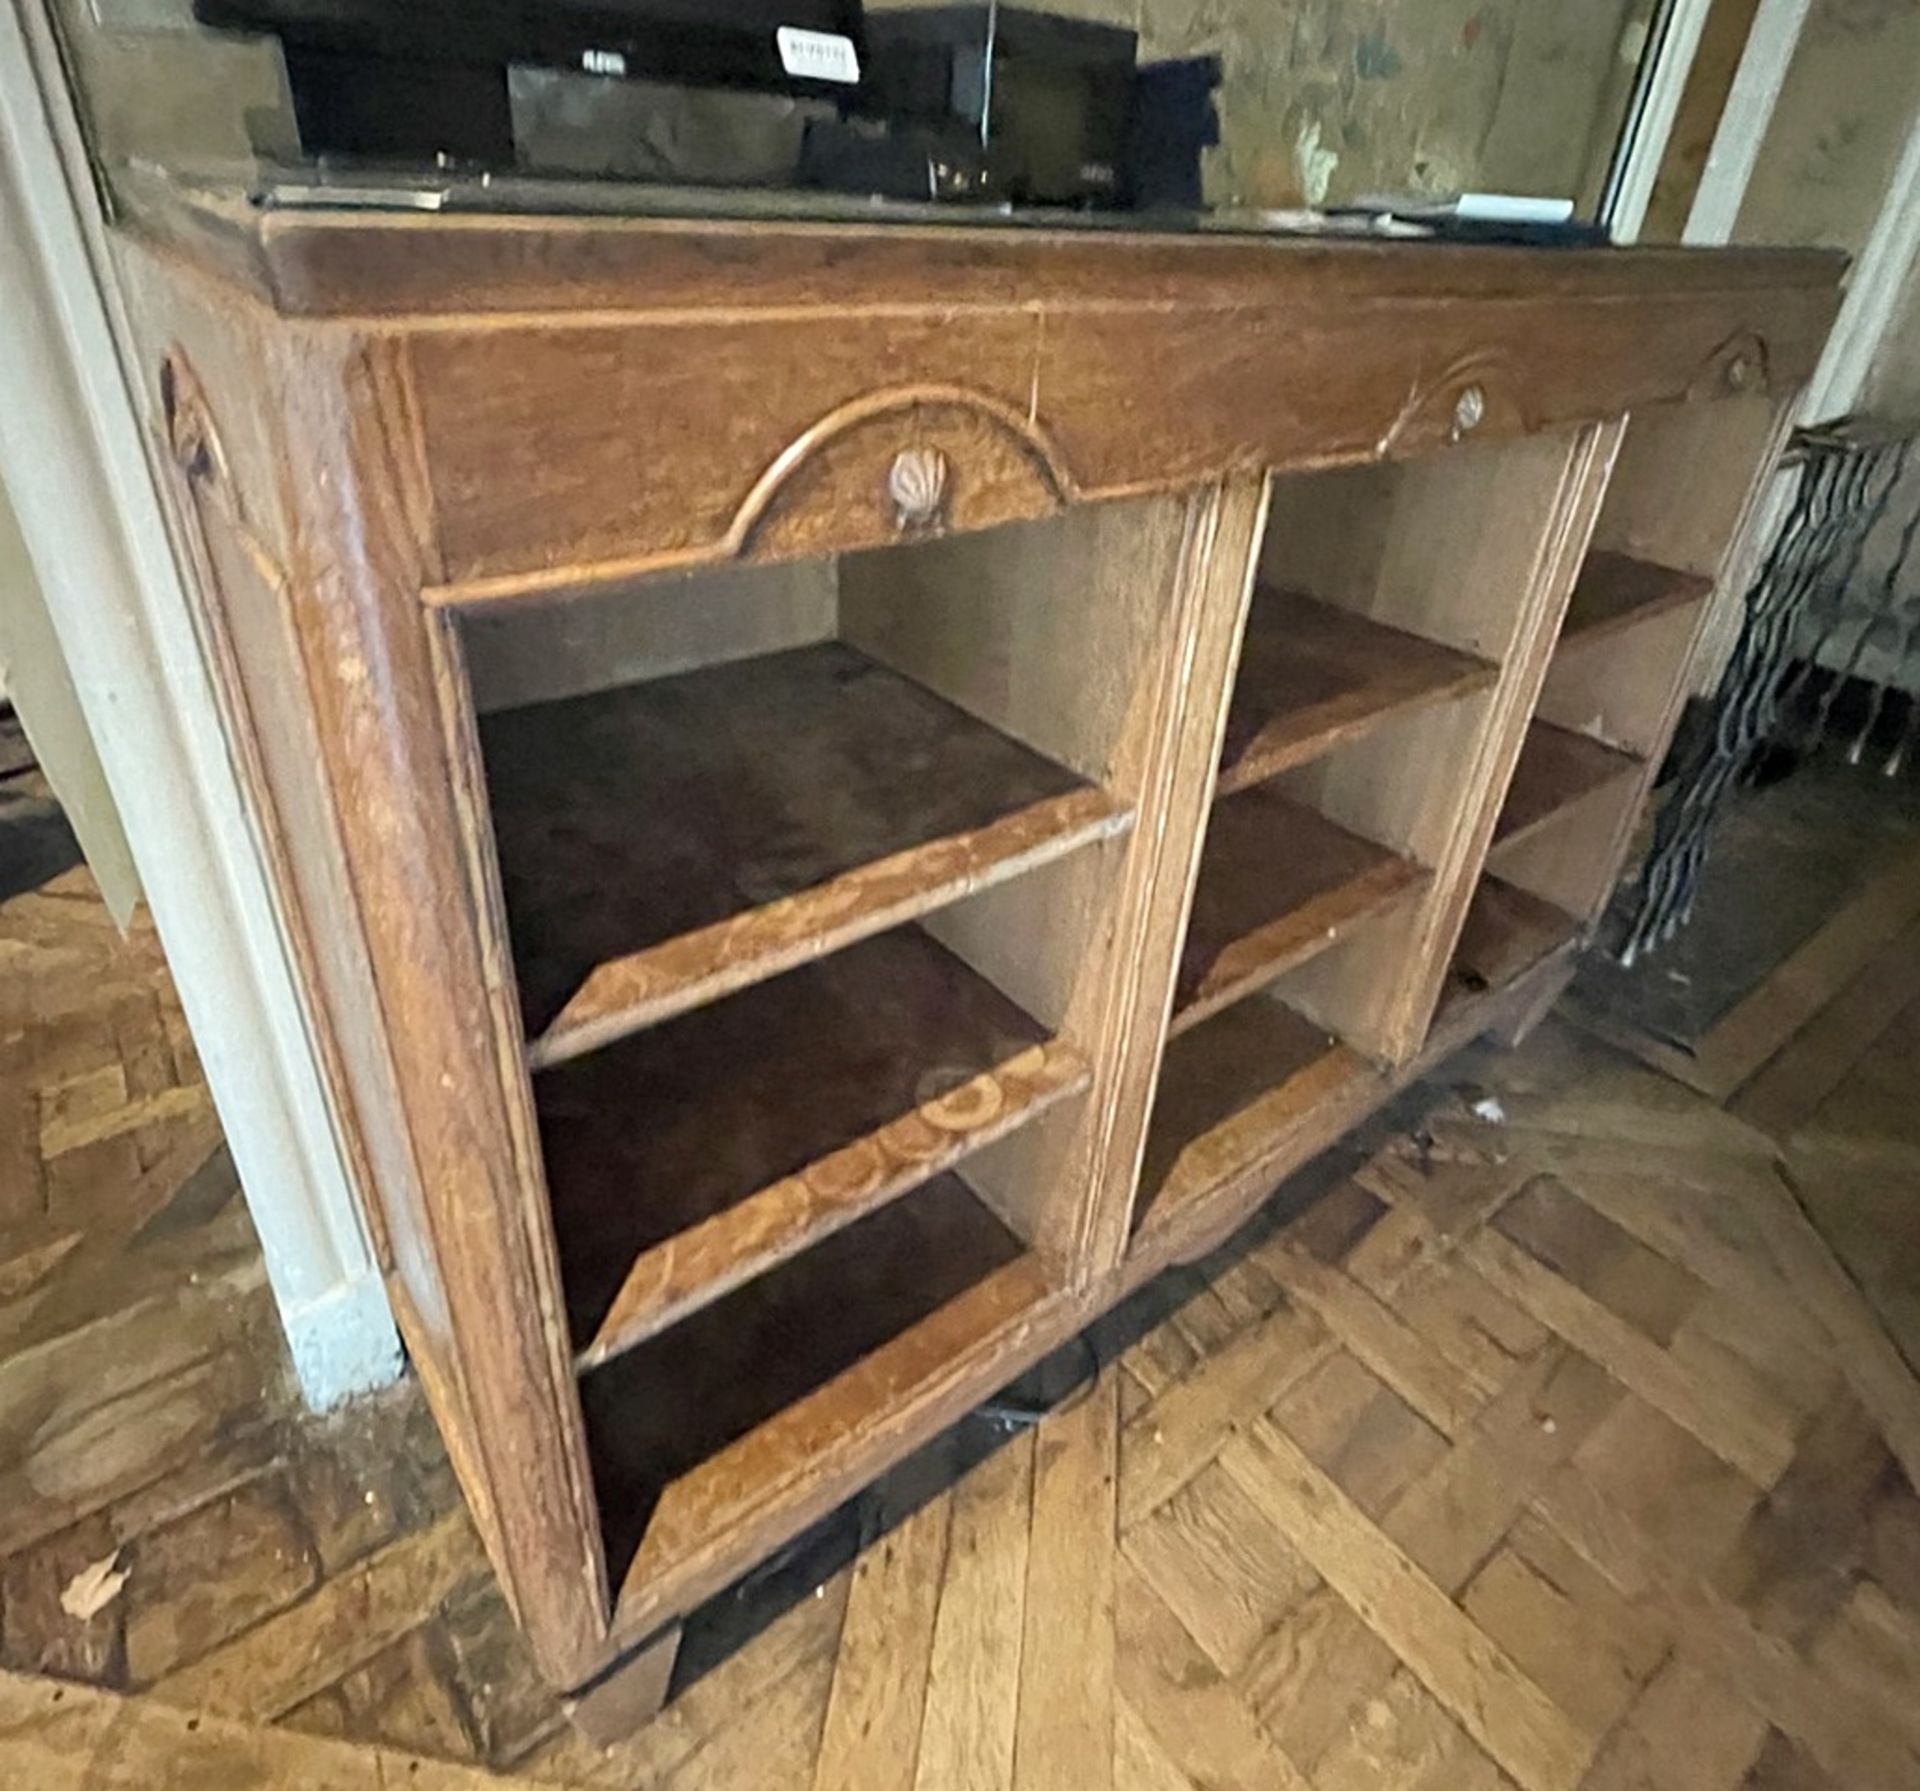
(1549, 1450)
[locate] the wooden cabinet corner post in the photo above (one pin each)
(407, 772)
(1181, 755)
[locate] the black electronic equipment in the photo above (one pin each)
(964, 103)
(412, 80)
(1043, 101)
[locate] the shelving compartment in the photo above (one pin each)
(1394, 602)
(1557, 770)
(693, 1155)
(1507, 933)
(1297, 917)
(1309, 889)
(794, 1232)
(813, 878)
(671, 838)
(1244, 1094)
(1315, 674)
(745, 1417)
(1391, 602)
(1615, 682)
(1279, 884)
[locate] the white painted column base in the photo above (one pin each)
(344, 1342)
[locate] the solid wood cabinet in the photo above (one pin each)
(844, 796)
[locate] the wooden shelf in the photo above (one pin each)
(669, 842)
(1506, 933)
(1313, 675)
(1232, 1092)
(690, 1157)
(1279, 883)
(1615, 591)
(1556, 768)
(749, 1408)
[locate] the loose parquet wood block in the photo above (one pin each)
(872, 1731)
(1406, 1739)
(1832, 1721)
(1380, 1339)
(1452, 1517)
(1184, 1429)
(1140, 1763)
(1219, 1563)
(1181, 1698)
(1361, 1433)
(1688, 1732)
(1064, 1737)
(973, 1681)
(1795, 1558)
(276, 1665)
(1481, 1332)
(1592, 1670)
(1581, 1245)
(1755, 1439)
(1881, 1379)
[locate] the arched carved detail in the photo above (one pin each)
(1739, 365)
(912, 459)
(1474, 394)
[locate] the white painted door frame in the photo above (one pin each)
(1742, 130)
(74, 454)
(1874, 286)
(1662, 83)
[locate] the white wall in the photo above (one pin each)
(72, 451)
(34, 677)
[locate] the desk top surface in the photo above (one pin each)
(365, 251)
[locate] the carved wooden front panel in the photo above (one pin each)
(566, 453)
(687, 443)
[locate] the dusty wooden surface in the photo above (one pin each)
(1313, 675)
(691, 812)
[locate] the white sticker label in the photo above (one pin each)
(818, 55)
(603, 62)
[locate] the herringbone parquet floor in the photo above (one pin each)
(1546, 1448)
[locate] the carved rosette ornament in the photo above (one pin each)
(917, 483)
(1741, 365)
(1468, 410)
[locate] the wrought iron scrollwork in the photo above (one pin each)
(1845, 479)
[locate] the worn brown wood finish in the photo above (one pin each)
(1278, 884)
(1313, 675)
(792, 1007)
(672, 841)
(695, 1154)
(369, 836)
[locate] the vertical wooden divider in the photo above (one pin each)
(1181, 756)
(1560, 546)
(1105, 637)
